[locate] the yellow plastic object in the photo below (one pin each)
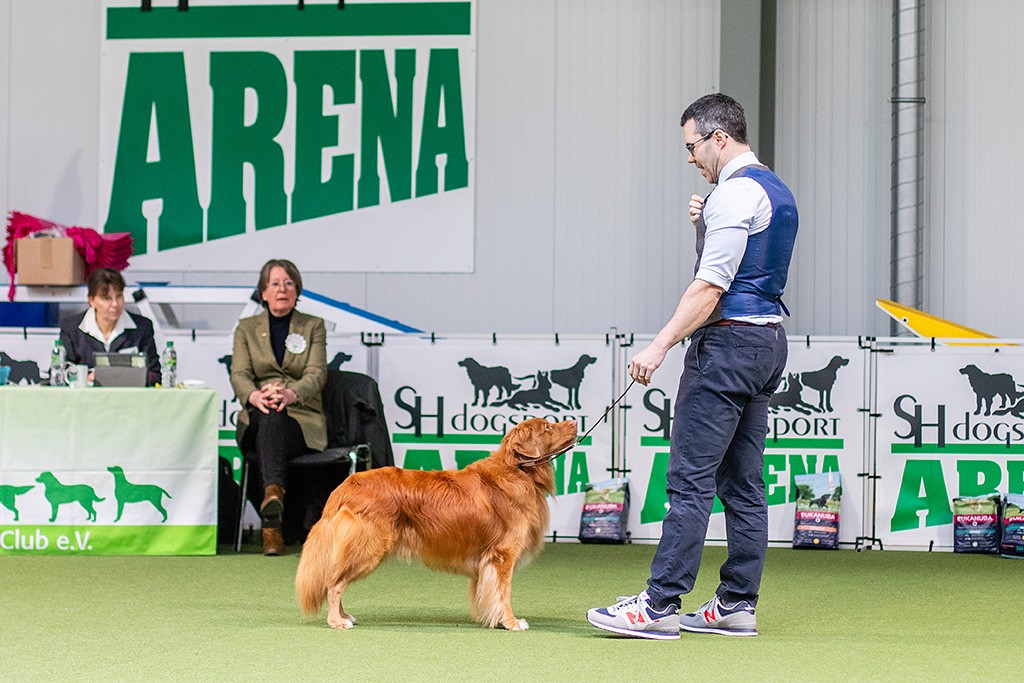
(930, 326)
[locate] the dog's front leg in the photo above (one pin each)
(504, 568)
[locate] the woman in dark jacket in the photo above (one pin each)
(107, 328)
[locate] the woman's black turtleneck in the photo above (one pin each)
(278, 332)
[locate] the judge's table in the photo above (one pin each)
(108, 471)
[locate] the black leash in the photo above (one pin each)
(562, 451)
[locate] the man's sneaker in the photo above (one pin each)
(634, 616)
(715, 616)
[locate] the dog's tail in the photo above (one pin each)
(314, 573)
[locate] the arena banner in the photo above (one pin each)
(815, 425)
(450, 400)
(239, 129)
(951, 424)
(107, 471)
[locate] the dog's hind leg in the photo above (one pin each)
(337, 617)
(358, 547)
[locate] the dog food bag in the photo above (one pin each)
(976, 524)
(817, 510)
(605, 513)
(1012, 544)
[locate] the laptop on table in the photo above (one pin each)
(120, 370)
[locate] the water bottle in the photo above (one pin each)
(169, 367)
(58, 358)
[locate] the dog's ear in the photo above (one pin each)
(522, 441)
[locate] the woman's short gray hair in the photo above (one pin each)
(289, 268)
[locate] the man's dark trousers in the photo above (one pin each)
(718, 439)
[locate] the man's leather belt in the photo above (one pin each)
(742, 323)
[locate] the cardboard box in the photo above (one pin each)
(48, 261)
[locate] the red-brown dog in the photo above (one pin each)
(479, 522)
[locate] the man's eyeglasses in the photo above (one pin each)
(693, 145)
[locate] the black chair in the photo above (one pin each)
(357, 439)
(347, 458)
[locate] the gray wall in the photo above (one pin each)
(834, 65)
(581, 181)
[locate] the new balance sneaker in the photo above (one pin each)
(634, 616)
(715, 616)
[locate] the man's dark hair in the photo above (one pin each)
(103, 280)
(717, 112)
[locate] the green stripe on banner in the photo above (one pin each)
(484, 439)
(822, 444)
(287, 21)
(960, 448)
(42, 539)
(226, 434)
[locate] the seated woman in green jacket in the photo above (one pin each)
(278, 367)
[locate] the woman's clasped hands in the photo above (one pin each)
(273, 396)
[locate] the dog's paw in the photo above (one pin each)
(341, 623)
(520, 625)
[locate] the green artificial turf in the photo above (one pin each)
(875, 615)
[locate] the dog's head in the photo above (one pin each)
(45, 477)
(115, 469)
(531, 441)
(968, 370)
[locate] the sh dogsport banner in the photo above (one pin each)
(814, 426)
(449, 402)
(340, 138)
(951, 424)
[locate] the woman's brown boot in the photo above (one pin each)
(271, 512)
(273, 541)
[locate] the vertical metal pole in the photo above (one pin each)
(907, 200)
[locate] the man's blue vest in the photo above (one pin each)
(761, 278)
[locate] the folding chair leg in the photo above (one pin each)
(241, 504)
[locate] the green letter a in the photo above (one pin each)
(918, 474)
(444, 93)
(156, 93)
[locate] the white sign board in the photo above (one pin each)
(241, 129)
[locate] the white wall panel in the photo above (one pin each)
(832, 147)
(5, 99)
(626, 70)
(975, 96)
(53, 109)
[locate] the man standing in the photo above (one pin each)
(746, 229)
